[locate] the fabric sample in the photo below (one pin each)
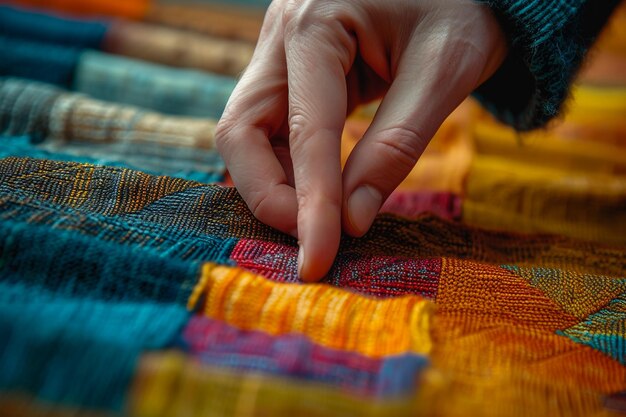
(503, 301)
(215, 20)
(329, 316)
(604, 330)
(490, 318)
(372, 275)
(216, 344)
(44, 27)
(148, 42)
(114, 156)
(178, 48)
(412, 204)
(72, 124)
(170, 384)
(505, 194)
(78, 352)
(48, 63)
(167, 90)
(132, 9)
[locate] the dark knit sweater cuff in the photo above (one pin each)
(548, 40)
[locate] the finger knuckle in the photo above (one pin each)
(224, 132)
(403, 146)
(297, 128)
(257, 203)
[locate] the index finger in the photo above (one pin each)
(317, 112)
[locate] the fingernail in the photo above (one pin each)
(300, 261)
(363, 205)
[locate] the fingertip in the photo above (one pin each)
(319, 243)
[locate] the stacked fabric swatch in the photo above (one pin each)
(494, 283)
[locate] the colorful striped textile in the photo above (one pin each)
(114, 78)
(75, 126)
(217, 344)
(137, 40)
(569, 180)
(221, 20)
(37, 26)
(167, 90)
(503, 328)
(493, 285)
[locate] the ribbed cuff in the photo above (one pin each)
(548, 40)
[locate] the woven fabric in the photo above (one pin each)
(77, 350)
(517, 318)
(114, 156)
(36, 25)
(132, 9)
(196, 390)
(148, 42)
(491, 318)
(568, 180)
(372, 275)
(167, 90)
(49, 63)
(217, 344)
(208, 19)
(412, 204)
(114, 78)
(329, 316)
(604, 330)
(178, 48)
(107, 133)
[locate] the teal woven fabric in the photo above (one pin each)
(75, 350)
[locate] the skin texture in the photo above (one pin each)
(315, 61)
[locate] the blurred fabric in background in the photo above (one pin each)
(135, 282)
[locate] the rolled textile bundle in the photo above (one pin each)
(38, 26)
(504, 194)
(25, 108)
(49, 63)
(223, 22)
(154, 43)
(131, 9)
(178, 48)
(258, 4)
(74, 126)
(168, 90)
(31, 108)
(76, 117)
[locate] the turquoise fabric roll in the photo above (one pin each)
(39, 61)
(157, 87)
(44, 27)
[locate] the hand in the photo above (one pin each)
(315, 61)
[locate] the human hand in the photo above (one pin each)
(315, 61)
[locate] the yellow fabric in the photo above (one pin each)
(170, 384)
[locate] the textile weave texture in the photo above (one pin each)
(492, 284)
(420, 316)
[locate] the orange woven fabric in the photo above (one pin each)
(329, 316)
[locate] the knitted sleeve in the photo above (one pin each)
(547, 42)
